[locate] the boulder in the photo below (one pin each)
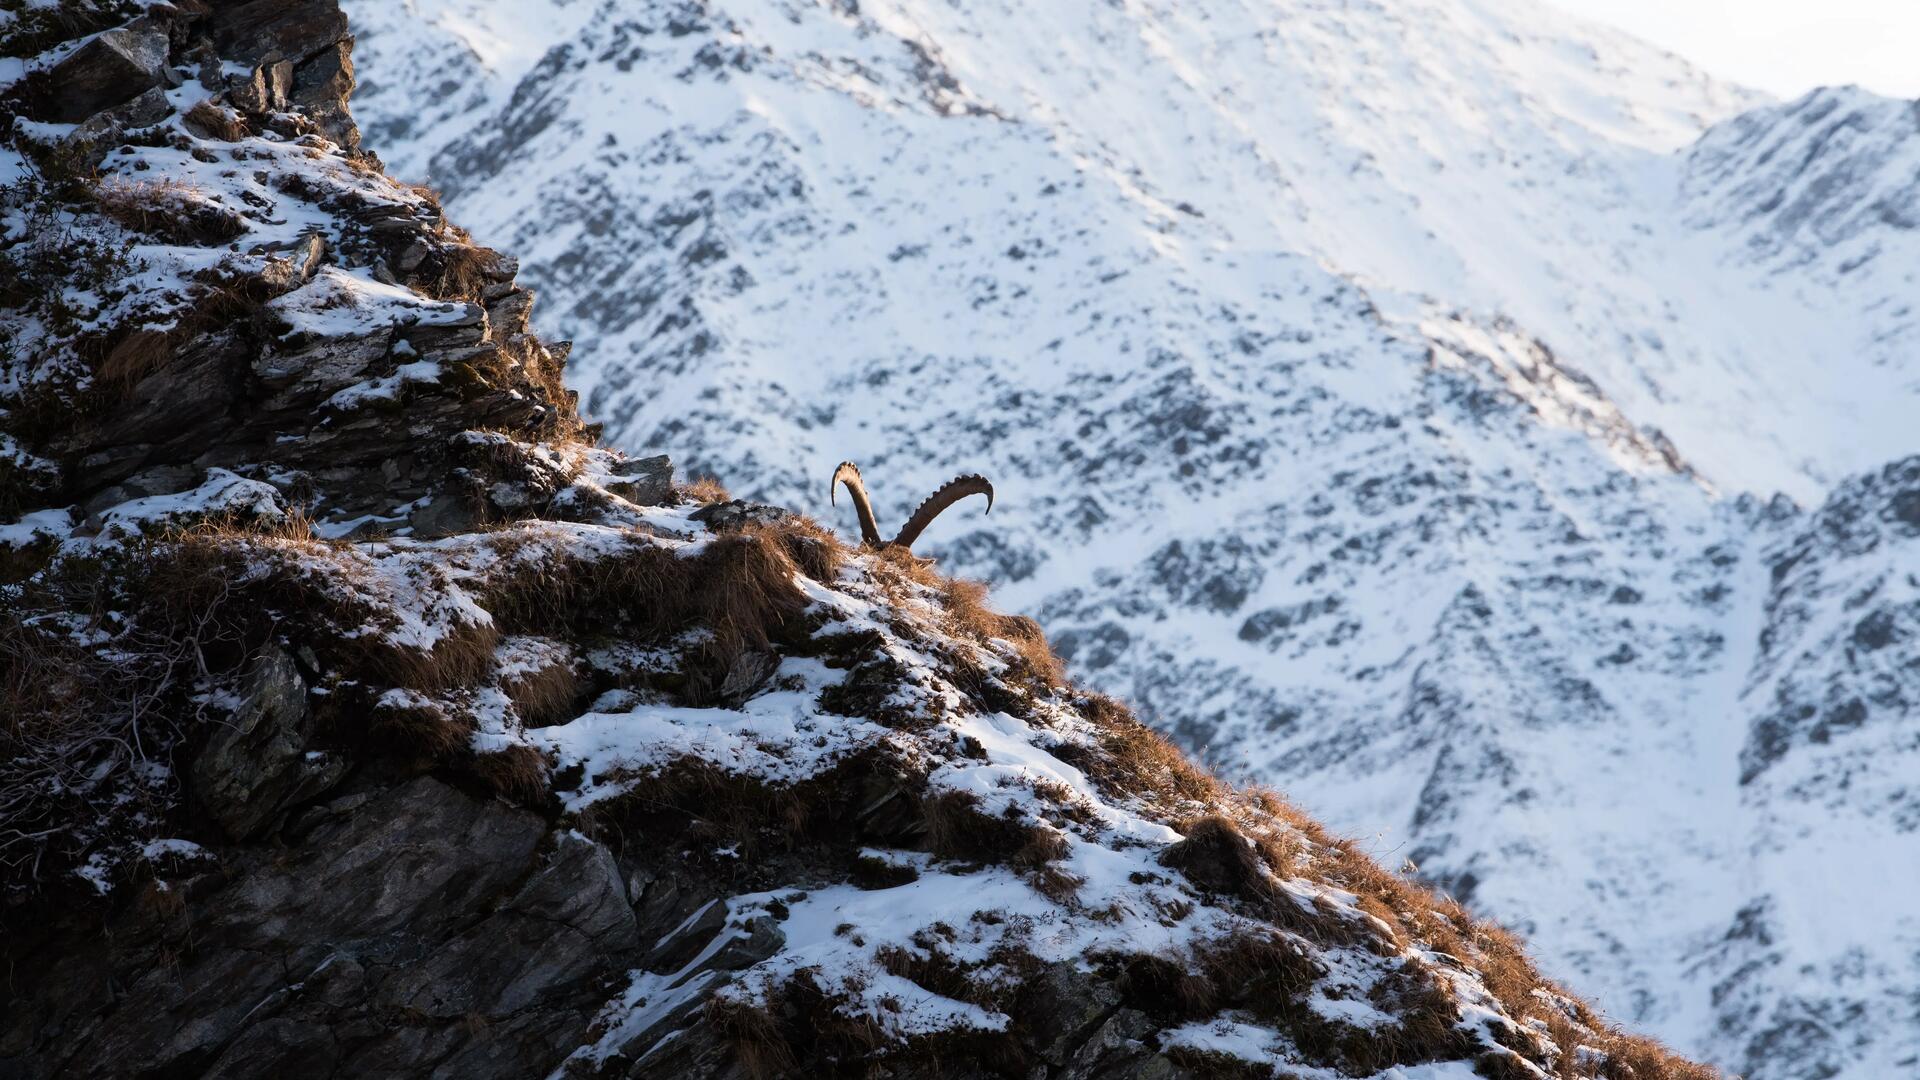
(643, 481)
(115, 66)
(90, 143)
(738, 514)
(277, 29)
(265, 89)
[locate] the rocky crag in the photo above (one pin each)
(360, 717)
(1440, 409)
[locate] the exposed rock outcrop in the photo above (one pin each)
(363, 718)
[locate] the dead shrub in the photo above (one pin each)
(1218, 1065)
(217, 302)
(1269, 802)
(1631, 1057)
(245, 576)
(958, 829)
(874, 874)
(738, 591)
(138, 354)
(416, 725)
(1164, 988)
(1263, 968)
(692, 794)
(930, 968)
(817, 552)
(1218, 858)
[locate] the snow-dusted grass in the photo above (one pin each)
(1030, 825)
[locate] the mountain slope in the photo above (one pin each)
(1392, 398)
(359, 716)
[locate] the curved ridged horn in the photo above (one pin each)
(849, 474)
(948, 493)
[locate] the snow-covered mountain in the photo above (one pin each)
(1477, 424)
(359, 716)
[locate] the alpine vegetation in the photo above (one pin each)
(1479, 423)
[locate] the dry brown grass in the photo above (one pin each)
(255, 577)
(740, 590)
(1218, 858)
(965, 604)
(122, 360)
(704, 490)
(957, 828)
(168, 209)
(1133, 761)
(544, 696)
(1500, 958)
(804, 1022)
(519, 773)
(210, 121)
(815, 550)
(134, 357)
(459, 270)
(419, 726)
(754, 1032)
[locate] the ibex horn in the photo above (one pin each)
(849, 474)
(948, 493)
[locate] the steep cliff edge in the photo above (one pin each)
(363, 718)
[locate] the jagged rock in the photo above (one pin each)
(321, 86)
(674, 950)
(1115, 1052)
(738, 514)
(550, 935)
(286, 29)
(1064, 1006)
(747, 674)
(302, 259)
(115, 66)
(159, 480)
(257, 763)
(443, 515)
(646, 481)
(265, 88)
(401, 871)
(91, 141)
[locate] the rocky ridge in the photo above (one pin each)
(363, 717)
(1405, 404)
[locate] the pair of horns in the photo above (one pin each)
(946, 495)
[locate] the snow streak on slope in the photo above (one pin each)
(1321, 354)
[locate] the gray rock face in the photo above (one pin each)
(277, 29)
(115, 66)
(416, 928)
(739, 513)
(644, 480)
(258, 764)
(1428, 551)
